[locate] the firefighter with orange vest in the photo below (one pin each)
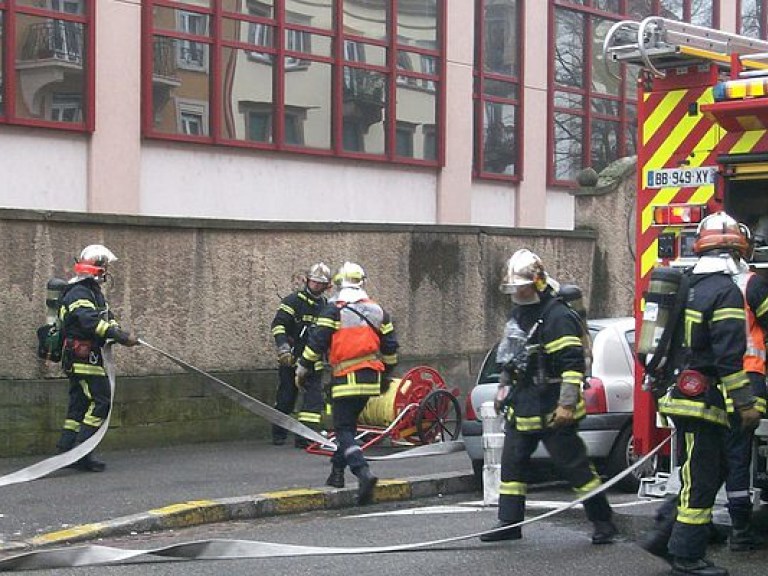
(711, 369)
(359, 340)
(738, 440)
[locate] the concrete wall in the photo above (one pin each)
(206, 291)
(608, 208)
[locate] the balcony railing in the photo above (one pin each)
(55, 40)
(364, 86)
(164, 57)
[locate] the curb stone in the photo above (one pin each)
(266, 504)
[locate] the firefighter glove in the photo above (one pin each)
(131, 339)
(750, 418)
(302, 373)
(285, 358)
(563, 416)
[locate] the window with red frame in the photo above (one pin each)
(498, 77)
(753, 18)
(46, 63)
(593, 115)
(352, 78)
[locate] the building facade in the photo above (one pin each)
(477, 112)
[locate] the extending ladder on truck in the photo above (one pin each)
(659, 44)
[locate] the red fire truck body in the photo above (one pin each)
(702, 147)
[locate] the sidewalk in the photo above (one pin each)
(172, 487)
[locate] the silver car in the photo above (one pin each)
(607, 428)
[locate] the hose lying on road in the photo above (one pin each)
(218, 549)
(63, 460)
(251, 404)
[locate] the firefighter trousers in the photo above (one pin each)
(89, 404)
(568, 454)
(287, 394)
(702, 472)
(346, 411)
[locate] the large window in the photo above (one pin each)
(593, 116)
(753, 18)
(46, 63)
(498, 74)
(354, 78)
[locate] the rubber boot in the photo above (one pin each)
(366, 484)
(501, 533)
(700, 567)
(744, 539)
(301, 442)
(66, 441)
(604, 532)
(89, 464)
(278, 435)
(336, 478)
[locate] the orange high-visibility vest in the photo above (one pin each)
(355, 344)
(754, 358)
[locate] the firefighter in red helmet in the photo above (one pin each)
(712, 343)
(87, 323)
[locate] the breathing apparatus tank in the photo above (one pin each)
(54, 287)
(664, 302)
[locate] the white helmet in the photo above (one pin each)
(93, 262)
(319, 272)
(350, 275)
(522, 269)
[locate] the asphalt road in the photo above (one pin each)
(560, 545)
(140, 480)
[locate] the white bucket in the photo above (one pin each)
(493, 443)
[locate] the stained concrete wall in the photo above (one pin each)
(206, 291)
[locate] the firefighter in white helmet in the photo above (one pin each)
(290, 329)
(541, 384)
(87, 323)
(358, 337)
(712, 343)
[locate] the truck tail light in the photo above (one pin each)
(680, 214)
(594, 396)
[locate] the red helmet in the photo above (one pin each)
(719, 231)
(93, 262)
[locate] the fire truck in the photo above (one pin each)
(702, 147)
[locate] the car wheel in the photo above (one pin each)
(477, 471)
(623, 456)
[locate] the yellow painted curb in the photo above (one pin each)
(298, 500)
(91, 530)
(182, 507)
(392, 490)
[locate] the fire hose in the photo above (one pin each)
(49, 465)
(221, 549)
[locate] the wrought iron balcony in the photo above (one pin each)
(53, 40)
(364, 87)
(164, 57)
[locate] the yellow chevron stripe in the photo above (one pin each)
(656, 119)
(747, 141)
(648, 259)
(679, 133)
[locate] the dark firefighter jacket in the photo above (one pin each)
(558, 350)
(87, 323)
(359, 340)
(715, 337)
(297, 312)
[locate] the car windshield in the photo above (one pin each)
(491, 370)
